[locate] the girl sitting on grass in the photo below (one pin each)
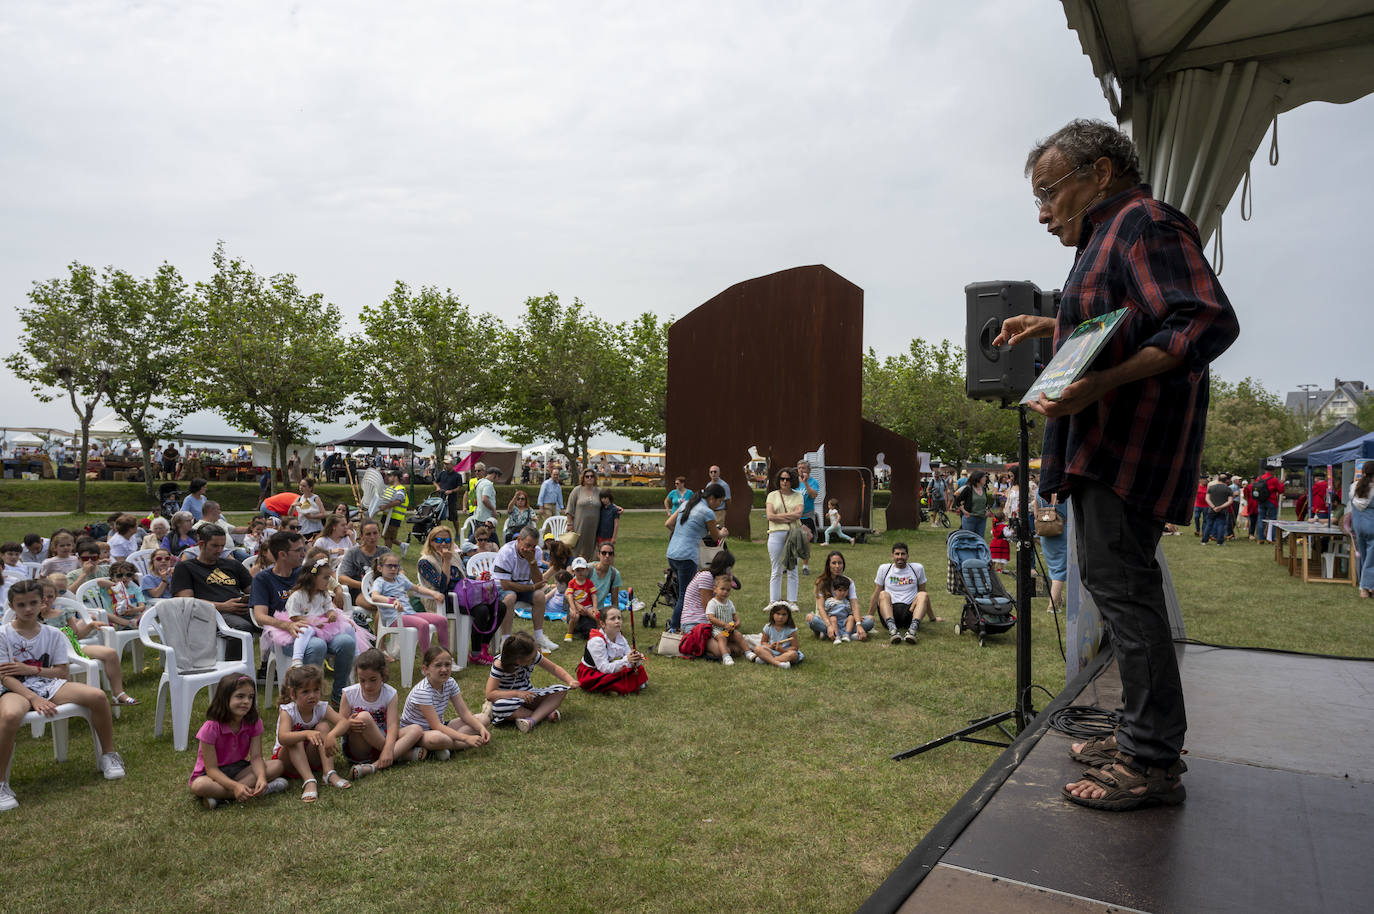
(229, 762)
(427, 702)
(720, 612)
(74, 627)
(608, 663)
(778, 646)
(369, 721)
(509, 692)
(303, 731)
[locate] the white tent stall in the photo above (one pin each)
(1198, 83)
(493, 450)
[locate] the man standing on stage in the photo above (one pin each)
(1125, 440)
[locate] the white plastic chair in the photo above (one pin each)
(469, 526)
(183, 687)
(141, 559)
(90, 670)
(58, 722)
(407, 639)
(88, 596)
(557, 524)
(459, 633)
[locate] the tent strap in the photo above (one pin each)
(1218, 251)
(1274, 140)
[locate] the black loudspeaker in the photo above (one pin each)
(1002, 373)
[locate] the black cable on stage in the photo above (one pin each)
(1085, 721)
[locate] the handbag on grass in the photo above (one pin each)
(1048, 521)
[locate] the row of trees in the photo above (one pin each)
(274, 361)
(920, 394)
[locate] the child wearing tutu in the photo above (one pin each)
(369, 721)
(303, 731)
(778, 645)
(312, 603)
(509, 691)
(229, 762)
(427, 702)
(608, 663)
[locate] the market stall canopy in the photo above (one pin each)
(36, 430)
(21, 439)
(1296, 456)
(488, 442)
(370, 436)
(1197, 82)
(110, 426)
(1361, 448)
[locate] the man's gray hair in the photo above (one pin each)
(529, 533)
(1084, 141)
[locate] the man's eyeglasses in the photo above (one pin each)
(1043, 195)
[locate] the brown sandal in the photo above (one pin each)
(1162, 787)
(1098, 752)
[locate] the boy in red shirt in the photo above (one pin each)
(580, 599)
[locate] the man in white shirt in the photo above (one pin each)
(899, 596)
(516, 567)
(484, 497)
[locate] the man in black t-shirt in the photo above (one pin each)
(1219, 503)
(221, 581)
(449, 484)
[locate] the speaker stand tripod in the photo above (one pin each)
(1021, 713)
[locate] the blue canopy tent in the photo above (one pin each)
(1346, 456)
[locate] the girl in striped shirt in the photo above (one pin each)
(509, 692)
(431, 697)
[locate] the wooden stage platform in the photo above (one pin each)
(1279, 815)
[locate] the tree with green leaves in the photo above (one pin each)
(642, 413)
(1364, 414)
(149, 384)
(268, 358)
(1245, 424)
(66, 344)
(568, 380)
(920, 394)
(426, 363)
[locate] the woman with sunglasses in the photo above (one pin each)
(784, 508)
(519, 514)
(584, 512)
(439, 566)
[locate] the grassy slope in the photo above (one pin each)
(743, 788)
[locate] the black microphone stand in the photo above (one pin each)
(1022, 712)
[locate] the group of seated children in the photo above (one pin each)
(373, 730)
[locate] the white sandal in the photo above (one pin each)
(310, 794)
(342, 783)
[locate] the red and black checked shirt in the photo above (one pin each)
(1143, 439)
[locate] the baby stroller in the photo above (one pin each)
(429, 512)
(667, 597)
(169, 499)
(988, 608)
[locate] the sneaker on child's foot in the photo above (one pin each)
(759, 660)
(567, 636)
(845, 637)
(542, 641)
(417, 754)
(276, 785)
(112, 766)
(837, 639)
(785, 665)
(750, 656)
(524, 724)
(209, 802)
(727, 660)
(7, 798)
(896, 637)
(806, 569)
(910, 636)
(443, 755)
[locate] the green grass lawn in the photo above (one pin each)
(742, 789)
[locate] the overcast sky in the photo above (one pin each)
(637, 156)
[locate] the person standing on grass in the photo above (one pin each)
(392, 508)
(1360, 522)
(550, 494)
(1218, 508)
(1126, 439)
(696, 519)
(448, 485)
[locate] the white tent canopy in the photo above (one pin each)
(1198, 82)
(108, 427)
(486, 441)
